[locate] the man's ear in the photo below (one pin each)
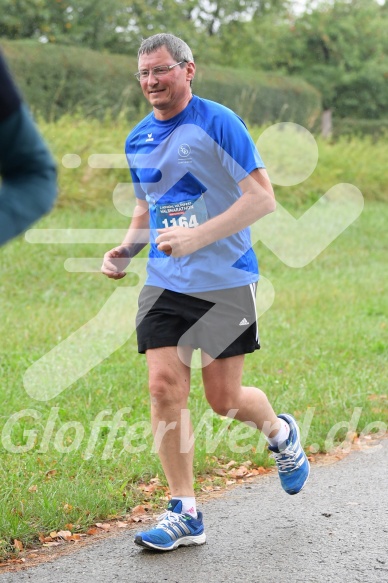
(190, 70)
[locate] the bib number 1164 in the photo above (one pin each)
(181, 221)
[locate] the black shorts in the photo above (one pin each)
(222, 323)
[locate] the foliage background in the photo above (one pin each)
(57, 79)
(338, 46)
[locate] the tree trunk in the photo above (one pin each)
(327, 123)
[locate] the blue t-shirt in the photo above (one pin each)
(187, 168)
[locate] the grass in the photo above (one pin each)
(359, 161)
(323, 358)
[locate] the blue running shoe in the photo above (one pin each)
(292, 462)
(173, 530)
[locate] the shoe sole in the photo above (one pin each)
(298, 434)
(180, 542)
(304, 483)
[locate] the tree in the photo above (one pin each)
(88, 22)
(341, 48)
(31, 18)
(119, 25)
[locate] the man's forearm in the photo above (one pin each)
(243, 213)
(138, 234)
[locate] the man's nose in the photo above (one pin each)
(152, 79)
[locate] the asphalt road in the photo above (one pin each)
(334, 531)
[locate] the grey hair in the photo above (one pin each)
(178, 49)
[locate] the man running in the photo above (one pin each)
(199, 184)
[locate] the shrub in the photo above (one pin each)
(375, 128)
(261, 98)
(58, 79)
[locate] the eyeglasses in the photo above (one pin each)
(156, 71)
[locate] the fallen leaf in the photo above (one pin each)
(63, 534)
(75, 537)
(247, 464)
(238, 472)
(140, 509)
(18, 544)
(53, 544)
(155, 480)
(148, 487)
(13, 561)
(50, 473)
(140, 518)
(230, 464)
(122, 524)
(33, 488)
(219, 472)
(92, 531)
(102, 525)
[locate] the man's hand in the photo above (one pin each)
(115, 261)
(178, 241)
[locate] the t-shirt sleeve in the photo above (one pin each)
(139, 192)
(28, 187)
(10, 99)
(236, 149)
(129, 152)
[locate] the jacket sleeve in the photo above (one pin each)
(27, 169)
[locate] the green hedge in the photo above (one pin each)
(261, 98)
(375, 128)
(56, 79)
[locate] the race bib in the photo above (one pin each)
(187, 213)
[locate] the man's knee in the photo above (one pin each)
(165, 389)
(220, 402)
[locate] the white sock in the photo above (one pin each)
(281, 436)
(188, 505)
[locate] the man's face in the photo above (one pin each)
(168, 94)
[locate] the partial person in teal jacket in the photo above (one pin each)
(28, 172)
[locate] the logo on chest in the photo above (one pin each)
(184, 152)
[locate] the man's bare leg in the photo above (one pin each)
(222, 380)
(169, 385)
(169, 389)
(224, 392)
